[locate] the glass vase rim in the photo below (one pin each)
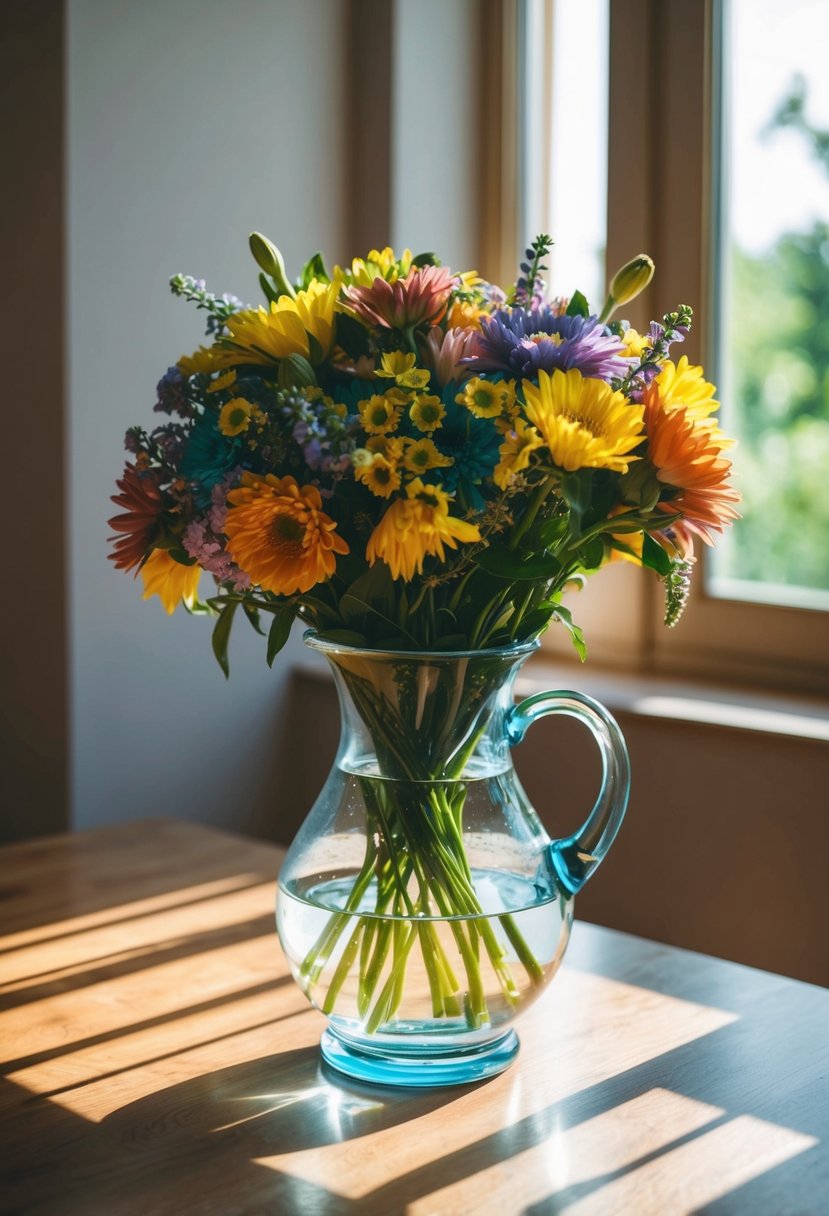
(314, 641)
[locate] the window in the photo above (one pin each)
(695, 119)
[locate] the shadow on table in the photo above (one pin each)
(216, 1140)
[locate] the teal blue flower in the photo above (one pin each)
(473, 444)
(209, 457)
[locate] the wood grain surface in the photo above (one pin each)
(158, 1058)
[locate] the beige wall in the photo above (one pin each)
(190, 124)
(724, 848)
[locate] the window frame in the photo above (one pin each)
(663, 163)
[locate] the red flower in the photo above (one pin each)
(143, 503)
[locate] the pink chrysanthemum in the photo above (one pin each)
(420, 298)
(444, 353)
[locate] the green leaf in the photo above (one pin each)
(591, 555)
(545, 534)
(279, 632)
(267, 288)
(655, 557)
(578, 306)
(535, 622)
(576, 636)
(351, 334)
(373, 591)
(314, 268)
(252, 613)
(425, 259)
(315, 351)
(221, 635)
(576, 489)
(506, 563)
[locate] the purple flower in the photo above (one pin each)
(172, 394)
(525, 341)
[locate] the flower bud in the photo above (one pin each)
(295, 372)
(632, 279)
(269, 259)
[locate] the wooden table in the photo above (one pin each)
(159, 1059)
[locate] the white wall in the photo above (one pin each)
(435, 175)
(191, 122)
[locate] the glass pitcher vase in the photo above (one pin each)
(422, 905)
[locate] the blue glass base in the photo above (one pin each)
(460, 1066)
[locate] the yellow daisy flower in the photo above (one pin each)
(386, 445)
(171, 581)
(682, 385)
(376, 471)
(427, 413)
(379, 414)
(401, 368)
(201, 363)
(583, 422)
(485, 398)
(520, 441)
(278, 534)
(422, 455)
(377, 264)
(415, 527)
(235, 416)
(223, 381)
(292, 326)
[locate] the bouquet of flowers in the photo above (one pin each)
(410, 458)
(413, 460)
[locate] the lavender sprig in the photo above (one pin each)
(529, 288)
(195, 291)
(675, 327)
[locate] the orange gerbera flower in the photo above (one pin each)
(687, 455)
(278, 534)
(421, 297)
(138, 525)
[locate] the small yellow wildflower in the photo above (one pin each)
(401, 368)
(223, 381)
(235, 416)
(422, 455)
(485, 398)
(171, 581)
(375, 471)
(312, 392)
(386, 445)
(427, 413)
(379, 415)
(520, 441)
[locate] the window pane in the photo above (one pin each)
(565, 186)
(773, 306)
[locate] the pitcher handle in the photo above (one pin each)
(576, 857)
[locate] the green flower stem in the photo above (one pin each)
(543, 489)
(415, 834)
